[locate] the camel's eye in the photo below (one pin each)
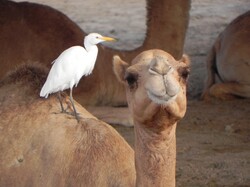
(184, 72)
(131, 79)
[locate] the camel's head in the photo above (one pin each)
(155, 85)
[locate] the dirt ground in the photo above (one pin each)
(213, 140)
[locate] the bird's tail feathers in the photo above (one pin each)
(44, 92)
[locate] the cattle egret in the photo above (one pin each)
(71, 65)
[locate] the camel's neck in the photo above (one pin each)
(167, 22)
(155, 156)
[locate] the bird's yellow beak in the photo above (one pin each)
(108, 39)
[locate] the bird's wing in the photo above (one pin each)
(64, 70)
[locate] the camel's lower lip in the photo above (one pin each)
(160, 99)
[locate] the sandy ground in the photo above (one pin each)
(213, 140)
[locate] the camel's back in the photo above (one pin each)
(42, 147)
(232, 50)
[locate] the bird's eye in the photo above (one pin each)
(131, 79)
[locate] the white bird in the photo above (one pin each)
(71, 65)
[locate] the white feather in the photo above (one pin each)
(72, 64)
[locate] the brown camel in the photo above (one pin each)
(156, 94)
(228, 63)
(42, 147)
(26, 36)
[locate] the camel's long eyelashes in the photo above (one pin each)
(184, 72)
(131, 78)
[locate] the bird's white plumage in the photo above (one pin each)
(72, 64)
(68, 69)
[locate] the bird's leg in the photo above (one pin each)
(72, 102)
(60, 100)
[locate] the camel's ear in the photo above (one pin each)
(185, 59)
(119, 68)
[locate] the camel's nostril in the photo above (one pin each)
(153, 71)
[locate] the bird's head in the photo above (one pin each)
(95, 38)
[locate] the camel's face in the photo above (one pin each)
(161, 83)
(153, 81)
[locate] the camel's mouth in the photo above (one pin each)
(161, 99)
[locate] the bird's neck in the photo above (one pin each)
(92, 50)
(89, 46)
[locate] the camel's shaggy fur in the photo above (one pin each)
(34, 74)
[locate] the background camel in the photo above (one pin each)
(228, 63)
(43, 147)
(26, 36)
